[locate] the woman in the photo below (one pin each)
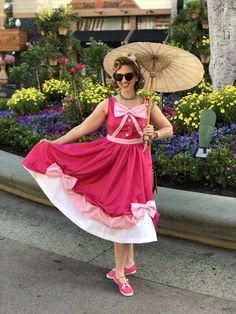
(105, 186)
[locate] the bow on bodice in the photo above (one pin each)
(137, 111)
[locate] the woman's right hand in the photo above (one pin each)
(45, 140)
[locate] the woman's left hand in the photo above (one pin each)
(148, 132)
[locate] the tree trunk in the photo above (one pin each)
(222, 32)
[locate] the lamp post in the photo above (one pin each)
(2, 14)
(18, 23)
(3, 72)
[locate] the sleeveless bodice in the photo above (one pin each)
(125, 123)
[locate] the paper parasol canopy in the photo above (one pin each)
(165, 68)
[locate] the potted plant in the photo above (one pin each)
(52, 54)
(185, 34)
(205, 24)
(63, 16)
(204, 49)
(62, 30)
(70, 43)
(44, 21)
(50, 40)
(194, 7)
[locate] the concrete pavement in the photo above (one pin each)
(39, 282)
(49, 265)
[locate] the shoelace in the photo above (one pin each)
(124, 282)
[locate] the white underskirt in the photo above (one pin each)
(142, 232)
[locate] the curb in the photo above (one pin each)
(205, 218)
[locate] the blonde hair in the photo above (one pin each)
(119, 62)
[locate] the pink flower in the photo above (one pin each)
(64, 68)
(63, 60)
(71, 99)
(80, 108)
(72, 70)
(9, 59)
(79, 66)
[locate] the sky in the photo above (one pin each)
(153, 4)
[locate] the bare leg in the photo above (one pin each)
(130, 256)
(121, 254)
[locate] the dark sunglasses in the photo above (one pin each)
(119, 77)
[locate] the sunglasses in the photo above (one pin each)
(119, 77)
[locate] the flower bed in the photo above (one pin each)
(174, 159)
(175, 162)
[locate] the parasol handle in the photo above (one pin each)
(149, 109)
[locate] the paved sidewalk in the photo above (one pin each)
(196, 270)
(39, 282)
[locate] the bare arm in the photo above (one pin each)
(161, 124)
(90, 124)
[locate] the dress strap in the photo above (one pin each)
(111, 101)
(140, 132)
(122, 123)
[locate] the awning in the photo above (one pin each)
(116, 37)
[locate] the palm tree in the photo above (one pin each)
(222, 32)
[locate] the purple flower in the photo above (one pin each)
(6, 113)
(188, 143)
(47, 122)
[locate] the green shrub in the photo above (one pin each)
(12, 134)
(217, 170)
(3, 104)
(220, 167)
(55, 89)
(30, 139)
(180, 169)
(26, 100)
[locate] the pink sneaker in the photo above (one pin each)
(124, 286)
(127, 271)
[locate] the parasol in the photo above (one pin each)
(165, 68)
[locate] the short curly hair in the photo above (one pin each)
(119, 62)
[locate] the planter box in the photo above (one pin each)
(12, 40)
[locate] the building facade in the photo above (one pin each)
(112, 21)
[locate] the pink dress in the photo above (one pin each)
(104, 186)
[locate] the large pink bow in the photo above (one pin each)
(138, 209)
(137, 111)
(68, 182)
